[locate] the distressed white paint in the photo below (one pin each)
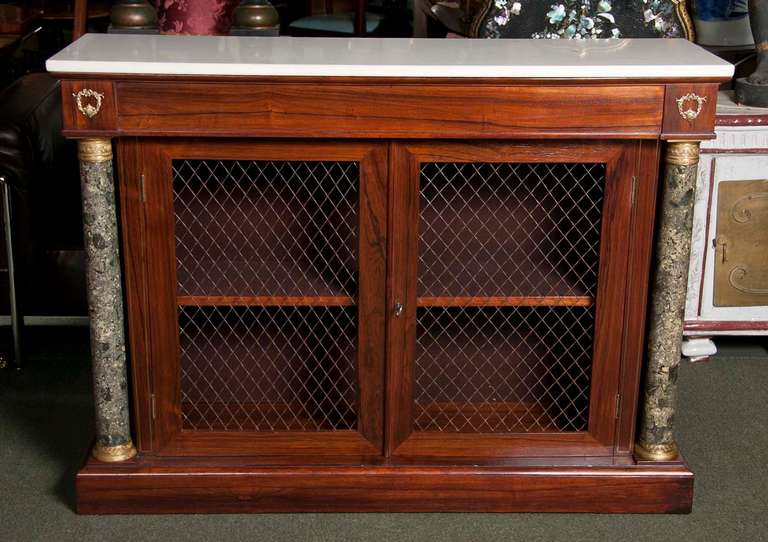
(738, 137)
(718, 154)
(699, 238)
(729, 168)
(698, 348)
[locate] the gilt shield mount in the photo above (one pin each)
(88, 102)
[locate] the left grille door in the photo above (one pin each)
(267, 297)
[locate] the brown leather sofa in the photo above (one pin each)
(41, 169)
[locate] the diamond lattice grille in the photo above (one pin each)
(265, 228)
(503, 369)
(509, 229)
(277, 230)
(268, 368)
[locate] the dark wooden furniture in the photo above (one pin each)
(15, 24)
(17, 20)
(331, 23)
(42, 260)
(373, 293)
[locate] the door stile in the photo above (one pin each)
(402, 267)
(372, 303)
(638, 271)
(611, 293)
(161, 270)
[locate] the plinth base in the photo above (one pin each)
(749, 94)
(157, 486)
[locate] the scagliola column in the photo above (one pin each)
(656, 441)
(105, 302)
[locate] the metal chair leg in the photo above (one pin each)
(12, 299)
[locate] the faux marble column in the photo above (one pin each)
(105, 302)
(656, 440)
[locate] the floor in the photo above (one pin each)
(45, 425)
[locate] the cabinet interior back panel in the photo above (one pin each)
(266, 228)
(268, 368)
(266, 255)
(509, 229)
(507, 277)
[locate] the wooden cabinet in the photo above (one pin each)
(283, 322)
(376, 293)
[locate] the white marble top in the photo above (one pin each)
(382, 57)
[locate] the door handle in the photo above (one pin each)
(398, 310)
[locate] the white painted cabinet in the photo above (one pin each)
(739, 154)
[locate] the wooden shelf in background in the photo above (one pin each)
(265, 301)
(512, 301)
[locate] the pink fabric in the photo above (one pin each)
(199, 17)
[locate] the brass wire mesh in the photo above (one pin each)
(268, 368)
(273, 229)
(503, 369)
(506, 230)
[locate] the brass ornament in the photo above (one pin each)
(682, 153)
(256, 14)
(133, 14)
(88, 102)
(94, 149)
(656, 452)
(114, 454)
(686, 112)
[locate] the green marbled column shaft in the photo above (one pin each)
(673, 247)
(105, 302)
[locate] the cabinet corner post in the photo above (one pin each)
(105, 302)
(655, 439)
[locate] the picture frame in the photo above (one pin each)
(582, 19)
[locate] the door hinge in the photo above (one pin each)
(143, 190)
(618, 405)
(633, 196)
(152, 406)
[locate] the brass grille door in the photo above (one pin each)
(512, 314)
(270, 339)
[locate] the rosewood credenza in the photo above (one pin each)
(386, 274)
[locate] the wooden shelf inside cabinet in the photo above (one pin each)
(510, 301)
(265, 301)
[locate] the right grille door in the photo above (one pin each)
(512, 319)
